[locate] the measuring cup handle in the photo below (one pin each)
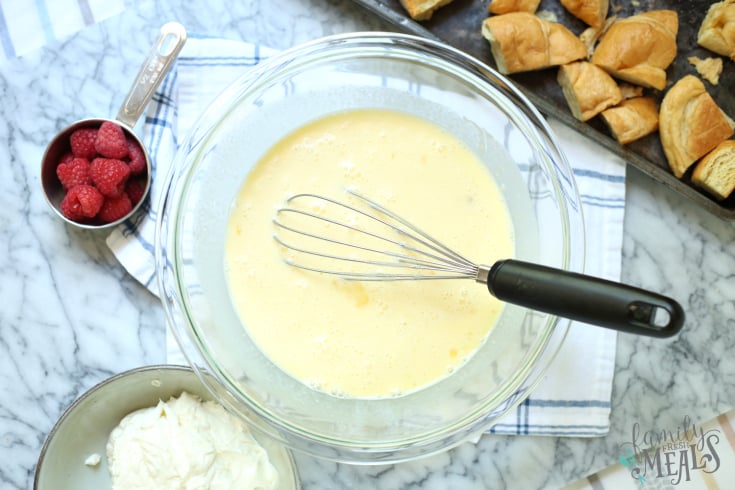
(163, 53)
(585, 298)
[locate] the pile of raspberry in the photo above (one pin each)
(103, 174)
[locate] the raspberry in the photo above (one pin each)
(110, 141)
(135, 188)
(82, 201)
(66, 157)
(137, 157)
(75, 172)
(82, 143)
(115, 208)
(109, 175)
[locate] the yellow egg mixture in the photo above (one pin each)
(368, 339)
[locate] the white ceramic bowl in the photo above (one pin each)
(85, 426)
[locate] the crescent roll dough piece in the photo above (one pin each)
(522, 42)
(588, 89)
(717, 32)
(591, 12)
(690, 123)
(506, 6)
(423, 9)
(715, 173)
(632, 119)
(638, 49)
(710, 68)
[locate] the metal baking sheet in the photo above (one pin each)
(458, 24)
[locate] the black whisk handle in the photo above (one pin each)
(584, 298)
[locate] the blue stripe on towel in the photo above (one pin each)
(602, 202)
(151, 278)
(155, 121)
(163, 98)
(163, 109)
(579, 427)
(7, 43)
(582, 172)
(552, 430)
(43, 17)
(523, 425)
(569, 403)
(86, 12)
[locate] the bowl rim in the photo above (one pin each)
(462, 430)
(80, 400)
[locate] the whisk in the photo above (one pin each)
(381, 246)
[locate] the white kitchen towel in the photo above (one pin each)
(26, 25)
(573, 399)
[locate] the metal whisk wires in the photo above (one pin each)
(324, 235)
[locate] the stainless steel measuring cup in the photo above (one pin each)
(161, 56)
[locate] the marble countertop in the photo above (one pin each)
(71, 316)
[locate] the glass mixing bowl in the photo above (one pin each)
(358, 71)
